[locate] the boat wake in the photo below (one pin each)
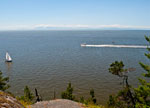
(114, 46)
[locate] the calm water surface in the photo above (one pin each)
(48, 60)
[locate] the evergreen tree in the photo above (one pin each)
(92, 93)
(82, 100)
(28, 96)
(117, 68)
(132, 97)
(124, 98)
(68, 94)
(4, 82)
(142, 93)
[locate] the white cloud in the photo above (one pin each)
(65, 26)
(17, 27)
(61, 26)
(92, 26)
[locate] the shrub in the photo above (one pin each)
(68, 94)
(4, 82)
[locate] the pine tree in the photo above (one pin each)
(28, 96)
(132, 97)
(117, 68)
(92, 93)
(68, 94)
(125, 98)
(4, 82)
(142, 93)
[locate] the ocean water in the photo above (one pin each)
(48, 60)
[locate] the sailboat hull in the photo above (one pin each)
(8, 60)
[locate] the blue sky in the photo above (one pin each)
(70, 14)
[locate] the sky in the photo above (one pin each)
(74, 14)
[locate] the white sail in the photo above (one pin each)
(8, 58)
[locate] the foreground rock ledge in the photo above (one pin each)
(58, 103)
(8, 101)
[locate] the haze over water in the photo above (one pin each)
(48, 60)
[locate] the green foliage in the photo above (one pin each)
(111, 101)
(92, 93)
(4, 82)
(28, 96)
(24, 103)
(93, 99)
(68, 94)
(117, 68)
(122, 100)
(82, 100)
(94, 106)
(142, 93)
(132, 97)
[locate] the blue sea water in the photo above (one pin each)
(48, 60)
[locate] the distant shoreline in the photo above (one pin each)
(78, 30)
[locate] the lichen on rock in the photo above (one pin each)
(8, 101)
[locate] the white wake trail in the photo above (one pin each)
(114, 46)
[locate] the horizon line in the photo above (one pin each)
(74, 27)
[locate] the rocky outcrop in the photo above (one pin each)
(8, 101)
(58, 103)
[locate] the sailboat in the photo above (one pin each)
(8, 58)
